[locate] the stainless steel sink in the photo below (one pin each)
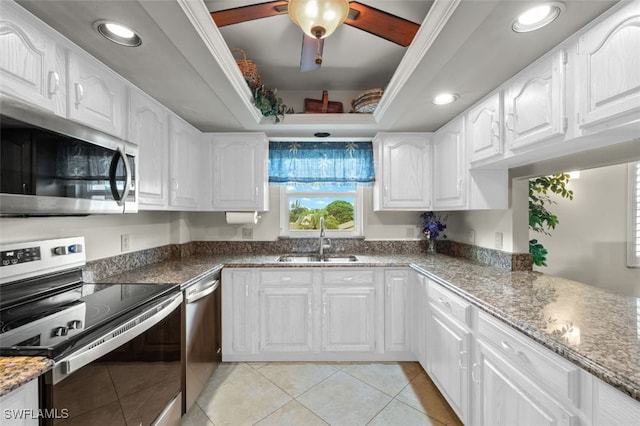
(311, 258)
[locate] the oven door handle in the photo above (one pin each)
(108, 342)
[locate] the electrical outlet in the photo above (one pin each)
(472, 236)
(498, 243)
(247, 233)
(124, 242)
(409, 232)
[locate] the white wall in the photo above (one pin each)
(377, 225)
(101, 232)
(589, 243)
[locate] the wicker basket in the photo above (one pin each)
(248, 69)
(367, 101)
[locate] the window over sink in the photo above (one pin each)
(321, 180)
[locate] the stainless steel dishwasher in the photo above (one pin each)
(203, 349)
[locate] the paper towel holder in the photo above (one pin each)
(242, 217)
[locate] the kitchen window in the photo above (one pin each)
(633, 246)
(321, 179)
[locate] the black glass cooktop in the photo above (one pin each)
(53, 319)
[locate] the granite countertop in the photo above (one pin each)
(595, 329)
(15, 371)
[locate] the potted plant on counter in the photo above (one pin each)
(432, 228)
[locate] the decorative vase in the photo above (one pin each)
(432, 247)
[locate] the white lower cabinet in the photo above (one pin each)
(20, 407)
(396, 314)
(504, 396)
(448, 348)
(286, 319)
(348, 319)
(239, 307)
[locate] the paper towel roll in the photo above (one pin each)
(242, 217)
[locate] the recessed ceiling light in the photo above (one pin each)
(537, 17)
(118, 33)
(445, 98)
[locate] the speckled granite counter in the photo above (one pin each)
(15, 371)
(597, 330)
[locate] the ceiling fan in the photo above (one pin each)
(316, 28)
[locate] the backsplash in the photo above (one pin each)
(101, 268)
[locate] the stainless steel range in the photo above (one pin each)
(117, 347)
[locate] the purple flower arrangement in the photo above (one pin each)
(432, 227)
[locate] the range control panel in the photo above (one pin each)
(32, 258)
(13, 257)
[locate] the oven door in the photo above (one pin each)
(130, 375)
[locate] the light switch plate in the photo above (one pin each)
(472, 236)
(124, 242)
(498, 243)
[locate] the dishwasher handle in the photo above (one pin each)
(199, 293)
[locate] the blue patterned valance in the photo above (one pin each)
(328, 162)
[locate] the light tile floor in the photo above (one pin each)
(320, 393)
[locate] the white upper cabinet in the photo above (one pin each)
(609, 70)
(240, 174)
(484, 129)
(96, 95)
(28, 69)
(534, 104)
(403, 171)
(185, 177)
(149, 128)
(450, 172)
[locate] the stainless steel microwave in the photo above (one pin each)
(53, 166)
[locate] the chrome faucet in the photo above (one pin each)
(323, 246)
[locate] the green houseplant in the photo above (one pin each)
(540, 219)
(268, 103)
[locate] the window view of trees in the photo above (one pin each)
(338, 215)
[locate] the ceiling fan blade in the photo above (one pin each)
(310, 51)
(382, 24)
(249, 13)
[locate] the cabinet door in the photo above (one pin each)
(286, 319)
(21, 402)
(395, 313)
(238, 307)
(184, 164)
(421, 331)
(28, 60)
(406, 172)
(449, 167)
(240, 179)
(534, 104)
(448, 346)
(484, 129)
(505, 397)
(608, 69)
(348, 319)
(148, 127)
(96, 95)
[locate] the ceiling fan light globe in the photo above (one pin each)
(310, 14)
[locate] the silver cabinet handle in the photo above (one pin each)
(444, 302)
(389, 290)
(79, 93)
(473, 372)
(461, 364)
(246, 290)
(508, 123)
(54, 82)
(495, 129)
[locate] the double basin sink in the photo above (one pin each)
(316, 258)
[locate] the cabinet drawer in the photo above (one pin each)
(286, 276)
(450, 303)
(526, 356)
(350, 276)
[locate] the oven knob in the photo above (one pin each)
(59, 331)
(74, 325)
(75, 248)
(59, 251)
